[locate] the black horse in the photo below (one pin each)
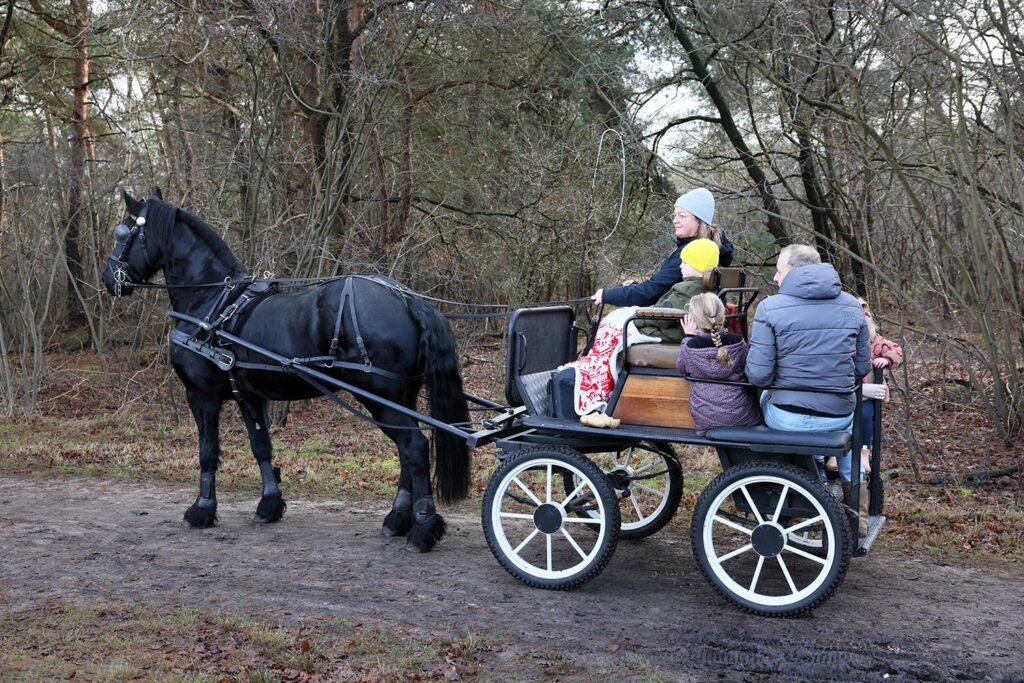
(384, 341)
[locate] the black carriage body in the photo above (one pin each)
(540, 340)
(769, 487)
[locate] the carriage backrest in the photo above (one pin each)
(728, 278)
(731, 286)
(539, 340)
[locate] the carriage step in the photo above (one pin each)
(875, 524)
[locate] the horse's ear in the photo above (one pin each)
(131, 203)
(156, 193)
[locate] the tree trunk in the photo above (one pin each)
(79, 157)
(3, 192)
(400, 226)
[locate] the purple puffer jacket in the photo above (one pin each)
(717, 405)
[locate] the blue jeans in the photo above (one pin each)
(783, 420)
(867, 422)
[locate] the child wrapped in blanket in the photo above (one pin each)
(595, 372)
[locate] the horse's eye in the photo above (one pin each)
(121, 233)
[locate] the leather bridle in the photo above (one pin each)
(124, 237)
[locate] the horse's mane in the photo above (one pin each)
(163, 216)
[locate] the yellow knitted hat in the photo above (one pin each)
(701, 254)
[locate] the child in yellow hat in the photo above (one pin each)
(696, 259)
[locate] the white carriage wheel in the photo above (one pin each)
(645, 504)
(525, 496)
(769, 537)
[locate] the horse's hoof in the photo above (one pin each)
(270, 509)
(397, 523)
(201, 517)
(425, 536)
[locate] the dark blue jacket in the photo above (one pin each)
(811, 335)
(648, 292)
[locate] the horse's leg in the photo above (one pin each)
(399, 519)
(427, 527)
(206, 411)
(271, 506)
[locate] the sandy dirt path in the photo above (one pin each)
(892, 619)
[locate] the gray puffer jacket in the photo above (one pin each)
(811, 334)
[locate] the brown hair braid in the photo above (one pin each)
(723, 354)
(708, 313)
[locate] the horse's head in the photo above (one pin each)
(133, 260)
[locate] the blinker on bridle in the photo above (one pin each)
(124, 237)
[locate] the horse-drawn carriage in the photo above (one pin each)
(766, 532)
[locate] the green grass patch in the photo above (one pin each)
(117, 642)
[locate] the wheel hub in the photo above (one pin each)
(768, 540)
(620, 479)
(548, 518)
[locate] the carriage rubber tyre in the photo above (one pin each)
(525, 512)
(663, 495)
(785, 580)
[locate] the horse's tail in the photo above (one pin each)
(447, 400)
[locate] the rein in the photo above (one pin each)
(506, 309)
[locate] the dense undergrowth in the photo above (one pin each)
(133, 423)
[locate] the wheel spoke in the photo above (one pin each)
(785, 572)
(733, 525)
(547, 537)
(547, 487)
(636, 506)
(629, 456)
(645, 469)
(801, 553)
(806, 522)
(574, 493)
(582, 520)
(782, 500)
(750, 502)
(527, 491)
(573, 543)
(515, 515)
(734, 553)
(757, 573)
(525, 541)
(654, 492)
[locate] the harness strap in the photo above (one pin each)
(216, 354)
(355, 411)
(348, 301)
(326, 362)
(218, 304)
(243, 405)
(256, 290)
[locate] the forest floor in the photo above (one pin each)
(101, 580)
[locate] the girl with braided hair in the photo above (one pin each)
(712, 352)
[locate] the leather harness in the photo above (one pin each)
(228, 311)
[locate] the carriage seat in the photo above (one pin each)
(764, 436)
(661, 356)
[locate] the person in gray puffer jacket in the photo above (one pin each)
(716, 354)
(810, 335)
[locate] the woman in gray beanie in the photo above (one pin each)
(692, 219)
